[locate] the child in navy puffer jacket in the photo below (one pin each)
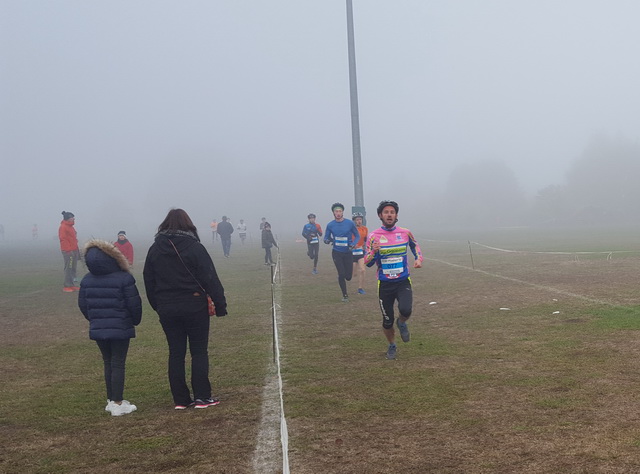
(110, 301)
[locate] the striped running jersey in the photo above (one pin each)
(392, 257)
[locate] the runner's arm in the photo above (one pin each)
(328, 235)
(415, 249)
(371, 251)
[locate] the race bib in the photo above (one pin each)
(359, 251)
(392, 266)
(341, 241)
(314, 240)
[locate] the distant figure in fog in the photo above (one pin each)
(214, 230)
(110, 301)
(34, 232)
(312, 232)
(267, 242)
(262, 222)
(124, 246)
(242, 231)
(70, 252)
(225, 229)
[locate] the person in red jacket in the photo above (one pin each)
(124, 246)
(70, 252)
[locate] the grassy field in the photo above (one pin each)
(526, 363)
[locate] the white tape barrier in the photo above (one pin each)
(608, 253)
(284, 434)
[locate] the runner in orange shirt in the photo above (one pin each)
(358, 251)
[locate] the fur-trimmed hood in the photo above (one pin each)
(103, 257)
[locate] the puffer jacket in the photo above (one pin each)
(108, 296)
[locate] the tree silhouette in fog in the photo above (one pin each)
(602, 184)
(484, 193)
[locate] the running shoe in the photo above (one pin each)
(361, 291)
(68, 289)
(184, 407)
(391, 352)
(207, 402)
(314, 271)
(404, 331)
(345, 299)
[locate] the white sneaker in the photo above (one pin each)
(123, 409)
(109, 405)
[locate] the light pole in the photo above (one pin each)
(355, 117)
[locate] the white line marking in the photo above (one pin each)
(267, 452)
(535, 285)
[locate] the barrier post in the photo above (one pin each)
(471, 254)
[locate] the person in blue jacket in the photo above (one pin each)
(344, 235)
(110, 301)
(311, 232)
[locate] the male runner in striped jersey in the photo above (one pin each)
(387, 247)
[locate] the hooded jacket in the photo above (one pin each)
(168, 282)
(268, 240)
(108, 296)
(68, 236)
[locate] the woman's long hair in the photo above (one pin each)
(178, 219)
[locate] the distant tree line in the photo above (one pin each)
(601, 187)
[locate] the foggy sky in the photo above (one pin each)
(118, 111)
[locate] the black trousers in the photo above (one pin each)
(183, 326)
(114, 356)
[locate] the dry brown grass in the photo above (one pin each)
(477, 390)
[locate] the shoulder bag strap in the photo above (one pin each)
(185, 266)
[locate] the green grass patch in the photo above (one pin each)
(618, 318)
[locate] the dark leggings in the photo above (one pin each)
(313, 250)
(388, 293)
(114, 356)
(267, 255)
(344, 264)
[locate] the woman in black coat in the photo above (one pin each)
(178, 276)
(110, 301)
